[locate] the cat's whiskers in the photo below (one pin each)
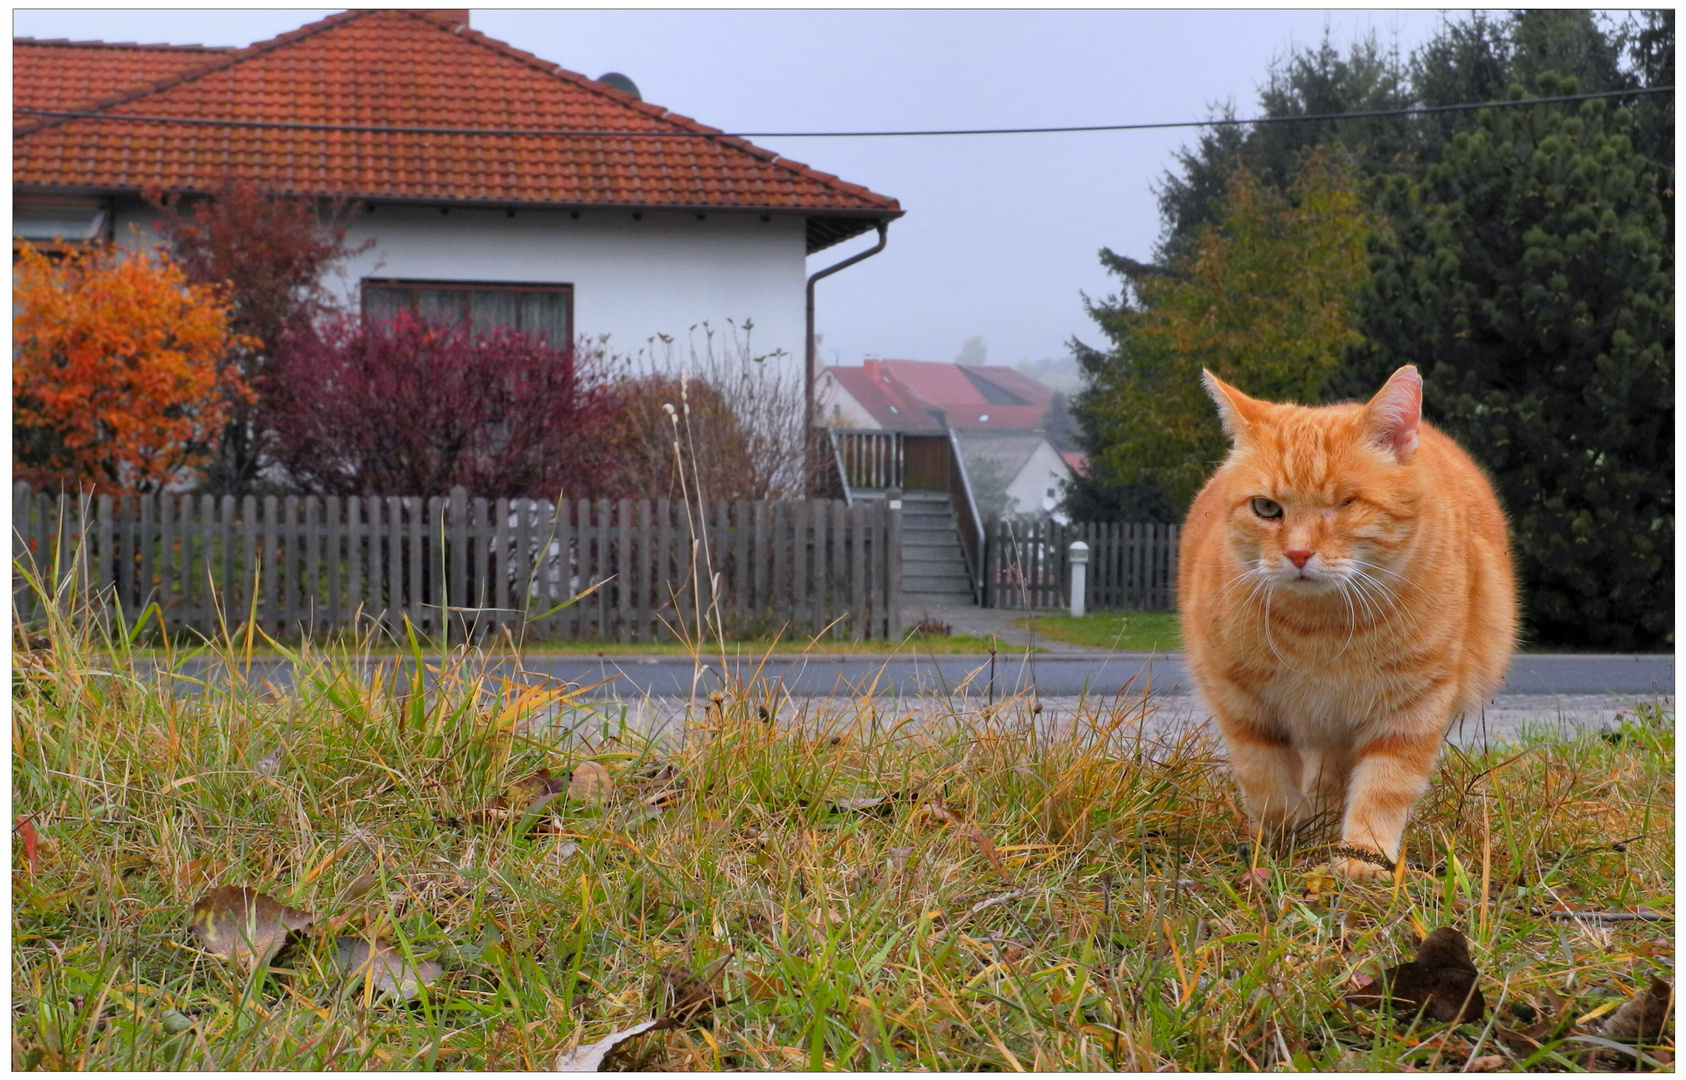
(1386, 593)
(1377, 591)
(1270, 641)
(1370, 607)
(1262, 581)
(1351, 618)
(1377, 566)
(1237, 579)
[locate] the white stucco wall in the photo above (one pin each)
(1045, 469)
(632, 279)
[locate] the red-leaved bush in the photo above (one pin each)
(269, 254)
(410, 407)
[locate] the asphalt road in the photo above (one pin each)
(1051, 674)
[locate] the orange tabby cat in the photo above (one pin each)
(1346, 591)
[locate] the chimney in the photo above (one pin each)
(445, 16)
(871, 367)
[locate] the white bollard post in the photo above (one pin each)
(1079, 554)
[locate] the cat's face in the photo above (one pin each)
(1322, 500)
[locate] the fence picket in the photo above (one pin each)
(556, 535)
(394, 566)
(798, 568)
(623, 570)
(760, 560)
(373, 603)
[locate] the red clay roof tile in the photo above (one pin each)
(277, 113)
(76, 74)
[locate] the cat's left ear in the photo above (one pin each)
(1237, 411)
(1392, 417)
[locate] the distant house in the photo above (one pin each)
(1013, 472)
(921, 395)
(500, 188)
(996, 412)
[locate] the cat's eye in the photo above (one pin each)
(1266, 508)
(1349, 500)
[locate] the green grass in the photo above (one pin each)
(1135, 631)
(1019, 899)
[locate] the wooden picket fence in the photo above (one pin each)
(469, 566)
(1132, 565)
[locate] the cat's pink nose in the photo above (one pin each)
(1298, 557)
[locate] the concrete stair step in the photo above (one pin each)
(937, 583)
(943, 558)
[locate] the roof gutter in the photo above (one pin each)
(812, 351)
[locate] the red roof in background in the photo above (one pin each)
(1079, 462)
(890, 404)
(932, 395)
(393, 69)
(65, 74)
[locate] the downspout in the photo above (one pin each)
(883, 238)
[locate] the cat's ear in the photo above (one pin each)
(1237, 411)
(1392, 417)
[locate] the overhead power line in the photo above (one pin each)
(408, 129)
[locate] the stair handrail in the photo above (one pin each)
(960, 488)
(837, 463)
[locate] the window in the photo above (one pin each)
(546, 310)
(47, 221)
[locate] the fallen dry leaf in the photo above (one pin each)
(1320, 881)
(524, 798)
(536, 786)
(686, 998)
(1641, 1021)
(1256, 878)
(237, 922)
(358, 888)
(658, 784)
(876, 804)
(763, 987)
(591, 784)
(935, 813)
(986, 846)
(590, 1057)
(1485, 1063)
(382, 965)
(1440, 981)
(197, 873)
(24, 829)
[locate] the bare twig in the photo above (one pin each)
(1605, 916)
(996, 901)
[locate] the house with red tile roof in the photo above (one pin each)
(996, 412)
(497, 185)
(923, 395)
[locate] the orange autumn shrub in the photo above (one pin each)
(119, 380)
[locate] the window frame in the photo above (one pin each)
(103, 233)
(565, 289)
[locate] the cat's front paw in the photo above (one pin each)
(1368, 866)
